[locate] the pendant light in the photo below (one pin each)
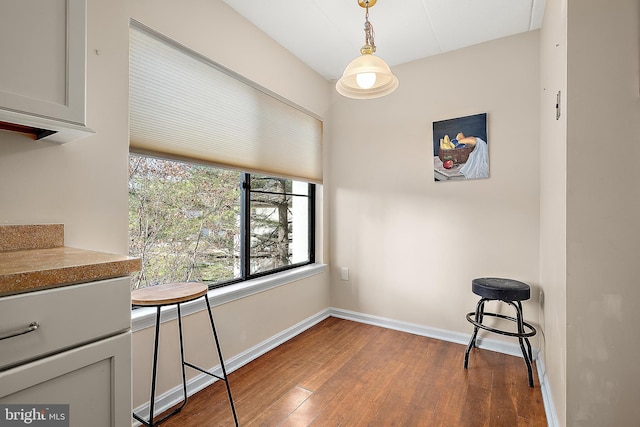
(367, 76)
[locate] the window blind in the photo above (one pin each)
(185, 106)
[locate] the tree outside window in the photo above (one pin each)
(186, 222)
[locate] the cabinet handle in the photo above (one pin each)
(32, 327)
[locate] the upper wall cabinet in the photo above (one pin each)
(42, 77)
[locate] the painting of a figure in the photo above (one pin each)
(460, 148)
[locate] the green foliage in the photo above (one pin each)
(183, 221)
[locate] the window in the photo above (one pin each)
(190, 222)
(220, 169)
(280, 223)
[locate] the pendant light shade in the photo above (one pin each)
(367, 76)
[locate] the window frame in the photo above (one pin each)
(245, 225)
(245, 233)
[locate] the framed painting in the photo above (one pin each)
(460, 148)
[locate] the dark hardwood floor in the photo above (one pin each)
(344, 373)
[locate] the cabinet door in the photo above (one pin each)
(43, 50)
(94, 380)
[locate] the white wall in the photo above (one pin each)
(603, 207)
(413, 245)
(553, 196)
(83, 184)
(216, 31)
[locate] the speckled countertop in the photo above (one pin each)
(34, 258)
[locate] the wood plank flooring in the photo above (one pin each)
(344, 373)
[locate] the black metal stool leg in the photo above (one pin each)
(472, 342)
(155, 367)
(526, 339)
(224, 371)
(480, 315)
(152, 401)
(526, 355)
(182, 364)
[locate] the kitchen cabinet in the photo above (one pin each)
(65, 326)
(79, 355)
(94, 380)
(43, 73)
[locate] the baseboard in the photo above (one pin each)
(441, 334)
(174, 396)
(549, 408)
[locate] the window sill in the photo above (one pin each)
(145, 317)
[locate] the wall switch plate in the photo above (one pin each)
(344, 273)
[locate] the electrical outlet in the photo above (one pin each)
(344, 273)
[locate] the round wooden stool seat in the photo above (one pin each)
(501, 289)
(170, 293)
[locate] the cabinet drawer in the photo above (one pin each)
(67, 317)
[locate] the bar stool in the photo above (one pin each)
(176, 294)
(511, 292)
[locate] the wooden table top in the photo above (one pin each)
(170, 293)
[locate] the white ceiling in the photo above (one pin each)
(327, 34)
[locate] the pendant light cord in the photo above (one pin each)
(368, 29)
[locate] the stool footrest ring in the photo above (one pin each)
(530, 333)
